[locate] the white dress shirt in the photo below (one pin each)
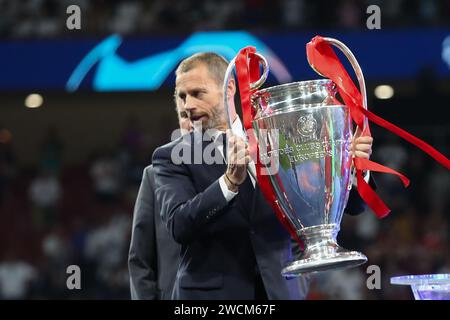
(237, 130)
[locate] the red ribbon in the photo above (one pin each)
(247, 70)
(323, 59)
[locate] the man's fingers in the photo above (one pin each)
(364, 139)
(361, 154)
(239, 153)
(363, 147)
(241, 156)
(237, 156)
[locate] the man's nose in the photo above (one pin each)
(190, 104)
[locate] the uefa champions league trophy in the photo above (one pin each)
(304, 135)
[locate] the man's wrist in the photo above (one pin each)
(227, 194)
(230, 185)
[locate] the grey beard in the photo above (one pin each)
(217, 119)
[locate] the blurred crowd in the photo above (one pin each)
(47, 18)
(54, 215)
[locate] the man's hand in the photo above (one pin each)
(361, 145)
(238, 158)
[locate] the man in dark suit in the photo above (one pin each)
(154, 255)
(232, 244)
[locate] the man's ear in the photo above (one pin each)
(231, 91)
(231, 88)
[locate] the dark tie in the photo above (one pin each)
(222, 140)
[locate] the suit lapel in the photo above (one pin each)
(219, 166)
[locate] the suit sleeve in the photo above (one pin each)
(142, 254)
(185, 211)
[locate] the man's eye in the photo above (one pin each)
(197, 94)
(183, 115)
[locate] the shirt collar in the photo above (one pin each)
(236, 128)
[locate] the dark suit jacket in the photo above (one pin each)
(154, 255)
(223, 244)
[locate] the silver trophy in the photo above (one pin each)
(304, 135)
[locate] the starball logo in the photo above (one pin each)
(112, 72)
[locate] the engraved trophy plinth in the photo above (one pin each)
(304, 135)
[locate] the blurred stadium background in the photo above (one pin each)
(70, 167)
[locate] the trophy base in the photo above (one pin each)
(322, 253)
(339, 260)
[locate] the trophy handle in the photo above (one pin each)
(253, 86)
(355, 65)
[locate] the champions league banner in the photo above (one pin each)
(117, 63)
